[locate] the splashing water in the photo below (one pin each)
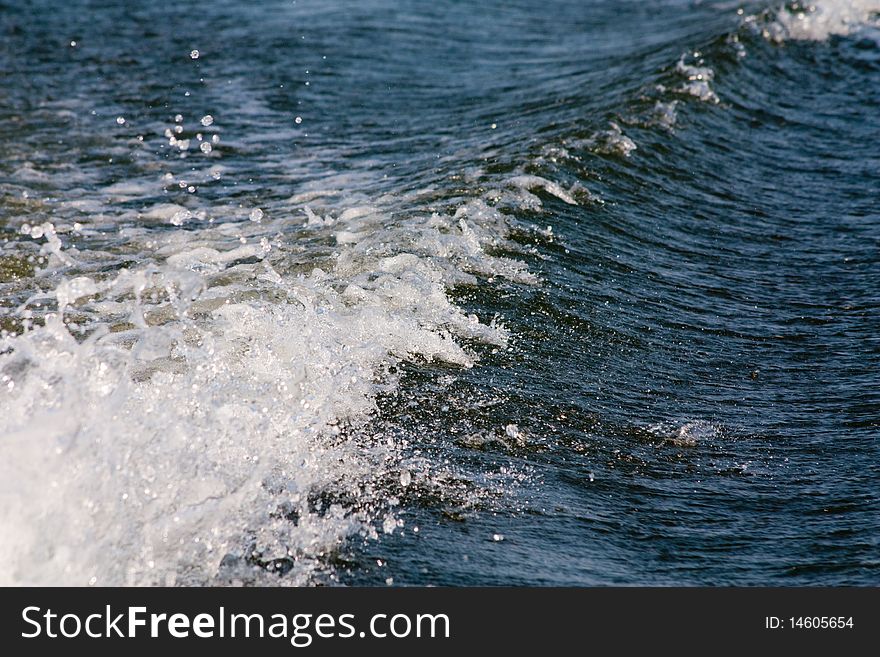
(816, 21)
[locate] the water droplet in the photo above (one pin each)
(207, 120)
(256, 215)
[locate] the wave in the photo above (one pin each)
(180, 413)
(194, 395)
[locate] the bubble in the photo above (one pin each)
(178, 118)
(178, 129)
(73, 44)
(299, 119)
(215, 139)
(194, 54)
(205, 147)
(191, 189)
(405, 478)
(207, 120)
(256, 215)
(25, 229)
(497, 537)
(120, 120)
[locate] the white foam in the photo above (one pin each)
(216, 388)
(664, 114)
(817, 21)
(611, 142)
(698, 80)
(532, 182)
(688, 434)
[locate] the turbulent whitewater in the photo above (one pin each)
(380, 293)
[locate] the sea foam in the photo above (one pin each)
(203, 415)
(817, 21)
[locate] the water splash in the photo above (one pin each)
(817, 21)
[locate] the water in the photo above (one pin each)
(451, 293)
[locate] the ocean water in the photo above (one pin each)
(449, 293)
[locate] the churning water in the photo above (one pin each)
(387, 291)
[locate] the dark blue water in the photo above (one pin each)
(669, 207)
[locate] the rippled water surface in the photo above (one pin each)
(393, 292)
